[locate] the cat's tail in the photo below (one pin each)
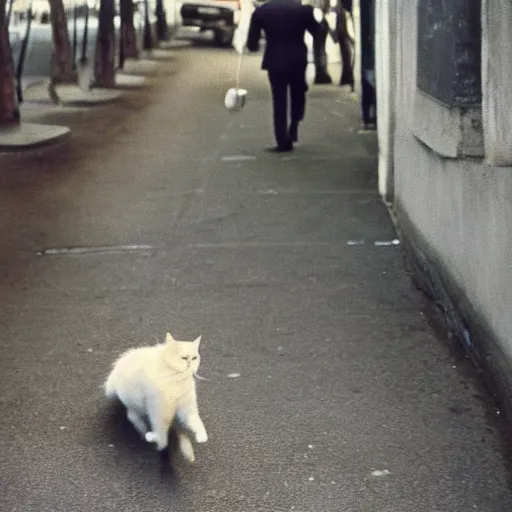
(109, 386)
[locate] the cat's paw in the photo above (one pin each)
(201, 437)
(151, 437)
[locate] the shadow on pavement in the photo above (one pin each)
(131, 449)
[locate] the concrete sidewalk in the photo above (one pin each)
(327, 388)
(353, 402)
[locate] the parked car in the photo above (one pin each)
(220, 16)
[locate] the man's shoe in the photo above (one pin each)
(280, 149)
(293, 133)
(347, 81)
(323, 78)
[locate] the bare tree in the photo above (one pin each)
(162, 28)
(22, 55)
(85, 37)
(9, 112)
(9, 12)
(104, 65)
(128, 38)
(148, 34)
(62, 56)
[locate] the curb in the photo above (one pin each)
(30, 136)
(35, 82)
(127, 81)
(73, 95)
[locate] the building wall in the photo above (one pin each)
(496, 80)
(459, 208)
(385, 55)
(356, 15)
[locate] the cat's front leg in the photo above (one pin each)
(198, 429)
(160, 417)
(137, 421)
(190, 419)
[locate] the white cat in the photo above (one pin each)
(157, 383)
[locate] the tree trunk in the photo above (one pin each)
(85, 38)
(9, 112)
(9, 12)
(128, 38)
(148, 34)
(162, 28)
(21, 57)
(104, 65)
(62, 56)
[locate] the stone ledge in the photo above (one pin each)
(29, 135)
(74, 95)
(125, 81)
(174, 44)
(452, 132)
(139, 67)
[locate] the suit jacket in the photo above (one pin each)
(285, 23)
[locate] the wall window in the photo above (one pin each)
(447, 112)
(449, 51)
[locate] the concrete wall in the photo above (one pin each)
(385, 55)
(496, 80)
(356, 14)
(460, 208)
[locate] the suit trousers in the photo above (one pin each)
(284, 84)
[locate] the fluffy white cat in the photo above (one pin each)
(157, 384)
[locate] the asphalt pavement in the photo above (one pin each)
(328, 389)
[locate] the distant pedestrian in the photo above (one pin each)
(284, 23)
(345, 41)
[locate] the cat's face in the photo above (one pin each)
(183, 356)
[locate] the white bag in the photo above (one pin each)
(235, 97)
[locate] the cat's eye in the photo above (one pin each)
(184, 358)
(194, 358)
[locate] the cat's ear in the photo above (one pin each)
(197, 341)
(169, 338)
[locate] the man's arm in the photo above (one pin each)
(253, 39)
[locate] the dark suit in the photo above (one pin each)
(284, 23)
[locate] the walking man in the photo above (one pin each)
(284, 23)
